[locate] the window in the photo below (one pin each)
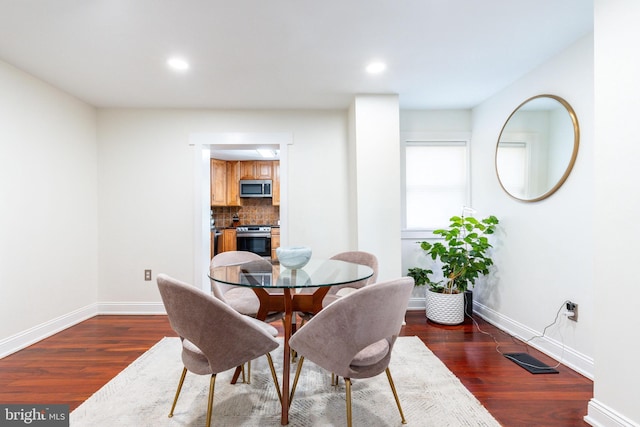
(511, 161)
(436, 182)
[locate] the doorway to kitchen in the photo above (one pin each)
(225, 143)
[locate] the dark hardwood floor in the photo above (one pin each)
(73, 364)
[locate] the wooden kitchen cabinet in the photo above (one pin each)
(247, 169)
(263, 169)
(218, 182)
(229, 240)
(275, 242)
(275, 190)
(255, 169)
(233, 185)
(226, 176)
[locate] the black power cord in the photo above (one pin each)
(526, 342)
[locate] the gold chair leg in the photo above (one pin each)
(335, 379)
(395, 394)
(275, 377)
(249, 372)
(175, 400)
(347, 383)
(295, 380)
(212, 384)
(244, 378)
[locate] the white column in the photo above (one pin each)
(617, 104)
(374, 159)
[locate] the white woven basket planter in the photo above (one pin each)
(447, 309)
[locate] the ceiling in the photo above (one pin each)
(285, 54)
(245, 152)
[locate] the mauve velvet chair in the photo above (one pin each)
(335, 292)
(362, 328)
(243, 300)
(214, 336)
(356, 257)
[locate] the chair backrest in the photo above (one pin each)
(333, 337)
(357, 257)
(229, 258)
(233, 258)
(225, 337)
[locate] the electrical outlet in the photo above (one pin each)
(572, 307)
(147, 275)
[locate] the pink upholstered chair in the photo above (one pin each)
(356, 257)
(362, 328)
(215, 338)
(243, 300)
(335, 292)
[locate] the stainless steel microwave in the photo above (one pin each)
(256, 188)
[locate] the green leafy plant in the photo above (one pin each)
(463, 254)
(420, 276)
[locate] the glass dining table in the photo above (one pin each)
(290, 290)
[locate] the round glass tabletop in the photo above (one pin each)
(317, 273)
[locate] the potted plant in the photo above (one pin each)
(464, 256)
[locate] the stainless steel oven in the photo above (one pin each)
(254, 238)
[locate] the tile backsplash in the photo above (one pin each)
(254, 211)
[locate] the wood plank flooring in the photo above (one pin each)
(73, 364)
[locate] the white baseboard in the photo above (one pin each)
(416, 304)
(131, 308)
(39, 332)
(549, 346)
(600, 415)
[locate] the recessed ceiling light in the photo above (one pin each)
(376, 67)
(178, 64)
(267, 153)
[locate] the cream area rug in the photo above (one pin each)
(142, 394)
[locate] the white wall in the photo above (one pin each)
(436, 121)
(48, 218)
(617, 95)
(544, 251)
(146, 190)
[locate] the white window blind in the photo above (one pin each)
(436, 182)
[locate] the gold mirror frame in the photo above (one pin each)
(576, 141)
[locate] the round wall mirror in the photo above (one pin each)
(537, 148)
